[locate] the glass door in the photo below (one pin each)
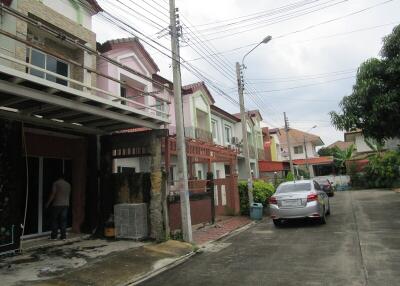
(43, 172)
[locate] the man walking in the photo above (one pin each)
(59, 201)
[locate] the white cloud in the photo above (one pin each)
(291, 56)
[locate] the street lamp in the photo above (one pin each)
(243, 119)
(305, 148)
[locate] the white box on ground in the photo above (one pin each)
(130, 221)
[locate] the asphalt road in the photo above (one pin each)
(359, 245)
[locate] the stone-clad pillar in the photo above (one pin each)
(158, 226)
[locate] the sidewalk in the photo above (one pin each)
(221, 228)
(119, 268)
(99, 262)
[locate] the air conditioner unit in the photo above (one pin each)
(130, 221)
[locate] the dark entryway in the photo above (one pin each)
(42, 172)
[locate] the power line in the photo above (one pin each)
(306, 85)
(249, 15)
(269, 23)
(225, 28)
(304, 78)
(336, 19)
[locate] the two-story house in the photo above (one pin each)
(357, 138)
(53, 113)
(255, 142)
(362, 150)
(304, 152)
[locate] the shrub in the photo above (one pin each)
(357, 180)
(261, 193)
(383, 170)
(289, 177)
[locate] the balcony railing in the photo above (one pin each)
(78, 83)
(261, 154)
(198, 133)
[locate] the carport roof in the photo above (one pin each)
(35, 100)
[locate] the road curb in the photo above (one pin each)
(185, 257)
(230, 234)
(158, 271)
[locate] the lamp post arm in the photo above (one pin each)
(255, 47)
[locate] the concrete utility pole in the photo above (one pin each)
(180, 135)
(288, 142)
(305, 150)
(243, 118)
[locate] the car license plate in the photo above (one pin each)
(290, 203)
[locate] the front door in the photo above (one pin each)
(42, 173)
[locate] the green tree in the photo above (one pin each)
(374, 103)
(289, 177)
(341, 156)
(327, 151)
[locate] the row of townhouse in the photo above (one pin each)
(303, 151)
(90, 111)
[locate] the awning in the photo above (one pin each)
(42, 102)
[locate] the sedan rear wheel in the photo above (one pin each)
(277, 222)
(322, 220)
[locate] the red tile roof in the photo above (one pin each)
(95, 5)
(250, 113)
(315, 161)
(224, 113)
(297, 137)
(191, 88)
(109, 45)
(341, 145)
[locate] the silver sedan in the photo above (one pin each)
(299, 199)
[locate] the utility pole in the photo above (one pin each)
(288, 142)
(180, 135)
(305, 150)
(243, 118)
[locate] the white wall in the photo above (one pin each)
(311, 151)
(69, 10)
(221, 122)
(141, 164)
(360, 144)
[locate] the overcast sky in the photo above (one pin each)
(305, 70)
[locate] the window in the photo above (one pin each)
(218, 174)
(228, 134)
(123, 94)
(159, 106)
(214, 129)
(289, 188)
(126, 170)
(171, 175)
(298, 149)
(199, 175)
(48, 63)
(227, 170)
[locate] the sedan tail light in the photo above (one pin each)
(312, 197)
(273, 201)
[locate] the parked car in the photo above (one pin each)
(326, 185)
(299, 199)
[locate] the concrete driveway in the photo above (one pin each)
(360, 245)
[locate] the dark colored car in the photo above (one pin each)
(326, 186)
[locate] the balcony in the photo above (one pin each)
(198, 133)
(46, 87)
(261, 154)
